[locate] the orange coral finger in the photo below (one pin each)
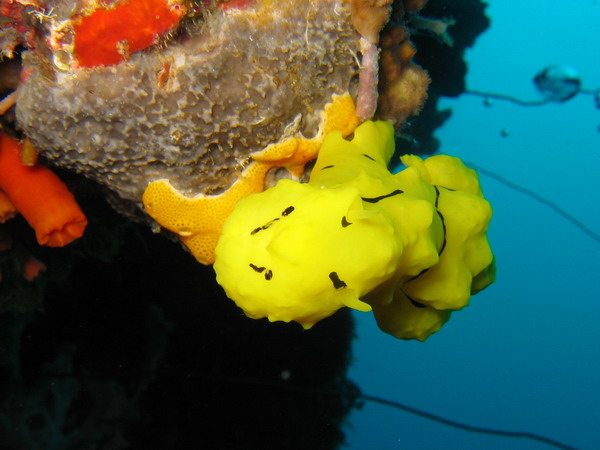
(7, 209)
(38, 194)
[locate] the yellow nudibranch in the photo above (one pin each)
(409, 246)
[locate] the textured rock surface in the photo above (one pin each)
(193, 111)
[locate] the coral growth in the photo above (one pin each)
(39, 195)
(403, 84)
(369, 17)
(107, 36)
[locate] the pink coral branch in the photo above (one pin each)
(366, 102)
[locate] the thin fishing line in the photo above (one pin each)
(538, 198)
(356, 393)
(464, 426)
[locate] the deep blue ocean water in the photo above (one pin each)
(525, 355)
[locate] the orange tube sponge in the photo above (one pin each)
(38, 194)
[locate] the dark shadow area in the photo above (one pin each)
(143, 350)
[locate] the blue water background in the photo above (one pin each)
(525, 355)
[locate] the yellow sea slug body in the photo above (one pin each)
(356, 235)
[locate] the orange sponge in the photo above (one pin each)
(39, 195)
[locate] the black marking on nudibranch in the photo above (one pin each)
(335, 279)
(345, 222)
(382, 197)
(422, 272)
(444, 231)
(327, 167)
(417, 275)
(437, 198)
(268, 272)
(370, 157)
(257, 269)
(264, 227)
(286, 212)
(415, 303)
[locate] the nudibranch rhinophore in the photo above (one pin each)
(410, 246)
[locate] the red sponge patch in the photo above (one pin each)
(109, 36)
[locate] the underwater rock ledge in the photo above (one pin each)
(193, 110)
